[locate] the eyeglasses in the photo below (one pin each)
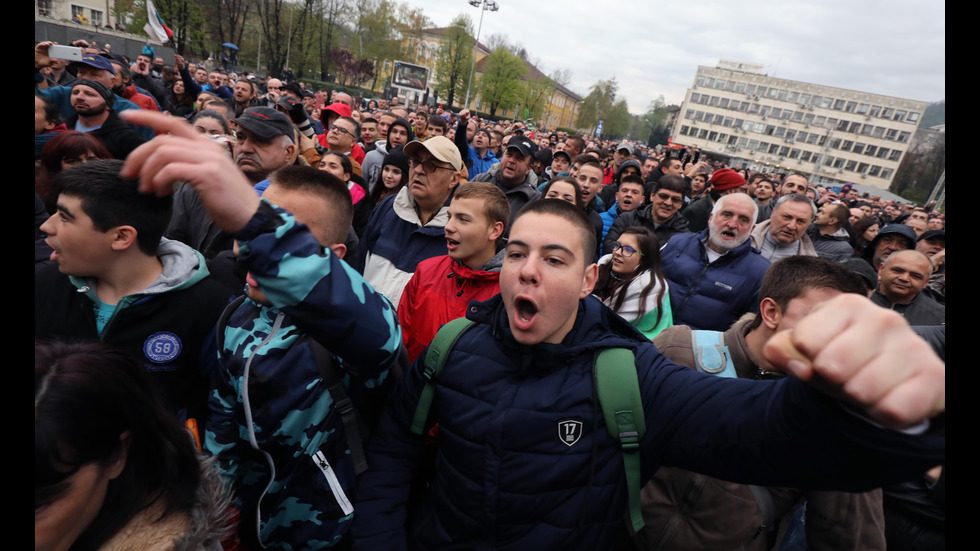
(340, 129)
(626, 250)
(666, 197)
(427, 166)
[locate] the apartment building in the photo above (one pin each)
(834, 135)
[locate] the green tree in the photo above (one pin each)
(376, 33)
(500, 86)
(535, 95)
(598, 104)
(454, 59)
(617, 120)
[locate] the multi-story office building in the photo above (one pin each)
(759, 122)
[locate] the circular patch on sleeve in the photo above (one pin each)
(162, 347)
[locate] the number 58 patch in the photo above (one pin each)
(162, 347)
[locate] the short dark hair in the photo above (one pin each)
(631, 179)
(357, 125)
(793, 276)
(436, 120)
(575, 141)
(111, 201)
(570, 212)
(673, 182)
(323, 184)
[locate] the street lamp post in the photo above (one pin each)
(484, 5)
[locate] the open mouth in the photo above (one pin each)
(525, 311)
(451, 244)
(729, 234)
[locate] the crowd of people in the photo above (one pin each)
(276, 268)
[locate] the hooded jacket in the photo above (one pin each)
(439, 292)
(371, 165)
(168, 327)
(506, 478)
(275, 429)
(608, 192)
(832, 246)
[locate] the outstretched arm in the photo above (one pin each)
(865, 355)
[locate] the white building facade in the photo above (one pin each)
(831, 134)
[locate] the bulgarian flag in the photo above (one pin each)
(155, 27)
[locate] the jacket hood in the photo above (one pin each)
(626, 163)
(182, 268)
(408, 128)
(596, 328)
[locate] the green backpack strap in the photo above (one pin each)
(435, 360)
(619, 396)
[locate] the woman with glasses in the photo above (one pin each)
(632, 284)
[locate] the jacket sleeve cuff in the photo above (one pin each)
(266, 219)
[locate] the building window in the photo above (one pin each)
(783, 151)
(790, 134)
(913, 117)
(850, 166)
(871, 150)
(903, 137)
(839, 105)
(875, 111)
(45, 7)
(689, 114)
(794, 153)
(783, 94)
(695, 97)
(867, 129)
(886, 173)
(78, 13)
(850, 107)
(712, 136)
(740, 88)
(720, 84)
(812, 138)
(883, 153)
(719, 119)
(863, 108)
(835, 143)
(793, 97)
(805, 156)
(825, 103)
(875, 170)
(879, 132)
(684, 130)
(839, 162)
(899, 115)
(780, 132)
(862, 168)
(805, 99)
(714, 101)
(895, 155)
(846, 146)
(753, 144)
(890, 135)
(855, 127)
(724, 103)
(858, 148)
(727, 122)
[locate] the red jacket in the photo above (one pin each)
(438, 292)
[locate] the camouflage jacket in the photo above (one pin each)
(273, 425)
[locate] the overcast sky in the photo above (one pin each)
(896, 48)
